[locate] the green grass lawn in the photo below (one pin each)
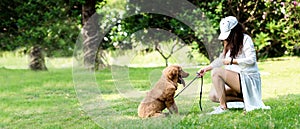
(49, 100)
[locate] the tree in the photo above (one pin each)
(89, 32)
(273, 25)
(277, 20)
(53, 25)
(171, 51)
(37, 59)
(43, 28)
(143, 21)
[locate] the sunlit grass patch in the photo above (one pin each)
(280, 77)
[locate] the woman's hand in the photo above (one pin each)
(201, 72)
(226, 61)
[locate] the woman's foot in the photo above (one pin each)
(218, 110)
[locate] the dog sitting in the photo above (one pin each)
(162, 95)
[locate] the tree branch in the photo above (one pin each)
(159, 50)
(252, 17)
(230, 7)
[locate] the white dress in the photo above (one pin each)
(249, 74)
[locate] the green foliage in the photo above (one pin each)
(123, 33)
(273, 25)
(51, 24)
(262, 40)
(279, 20)
(55, 24)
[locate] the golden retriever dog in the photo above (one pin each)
(162, 95)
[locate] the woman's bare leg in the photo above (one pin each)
(219, 85)
(234, 99)
(221, 76)
(230, 96)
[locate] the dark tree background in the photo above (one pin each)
(50, 24)
(55, 25)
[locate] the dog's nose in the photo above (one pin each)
(187, 74)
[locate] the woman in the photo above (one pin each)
(239, 79)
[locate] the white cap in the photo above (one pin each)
(226, 25)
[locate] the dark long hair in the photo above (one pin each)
(235, 41)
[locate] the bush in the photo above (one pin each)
(51, 24)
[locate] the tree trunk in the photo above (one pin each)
(88, 9)
(101, 60)
(90, 33)
(167, 64)
(37, 59)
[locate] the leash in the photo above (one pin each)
(186, 86)
(200, 95)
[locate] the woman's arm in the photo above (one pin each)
(249, 51)
(230, 61)
(203, 70)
